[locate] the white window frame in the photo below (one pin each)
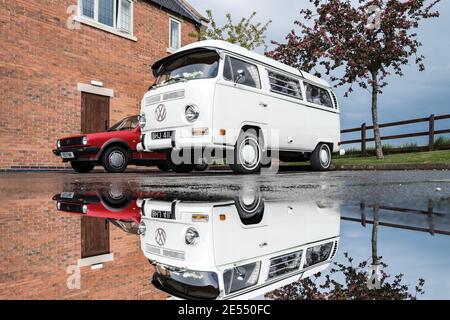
(115, 29)
(170, 33)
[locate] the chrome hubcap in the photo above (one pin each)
(324, 156)
(250, 153)
(117, 159)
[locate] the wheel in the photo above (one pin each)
(247, 153)
(178, 168)
(115, 159)
(201, 167)
(321, 157)
(250, 206)
(163, 166)
(116, 199)
(82, 167)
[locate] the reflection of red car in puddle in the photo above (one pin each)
(120, 208)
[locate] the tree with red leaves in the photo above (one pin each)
(365, 43)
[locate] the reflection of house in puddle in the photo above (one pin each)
(431, 217)
(97, 209)
(236, 249)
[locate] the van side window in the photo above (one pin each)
(318, 95)
(285, 85)
(250, 72)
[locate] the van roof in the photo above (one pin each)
(224, 45)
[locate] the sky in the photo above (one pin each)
(416, 94)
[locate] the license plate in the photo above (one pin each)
(161, 214)
(67, 195)
(162, 135)
(67, 155)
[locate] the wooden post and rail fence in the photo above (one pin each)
(431, 133)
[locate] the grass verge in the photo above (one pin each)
(433, 157)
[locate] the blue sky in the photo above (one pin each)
(417, 94)
(414, 254)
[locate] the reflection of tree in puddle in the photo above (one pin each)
(353, 287)
(349, 281)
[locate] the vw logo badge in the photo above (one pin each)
(160, 236)
(160, 113)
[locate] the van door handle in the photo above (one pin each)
(264, 105)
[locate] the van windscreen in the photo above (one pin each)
(187, 284)
(191, 66)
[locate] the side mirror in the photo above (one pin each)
(240, 76)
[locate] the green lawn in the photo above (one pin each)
(404, 158)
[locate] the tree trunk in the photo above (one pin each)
(376, 221)
(376, 128)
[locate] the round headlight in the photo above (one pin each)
(85, 140)
(58, 144)
(191, 236)
(142, 228)
(58, 205)
(192, 113)
(142, 121)
(85, 209)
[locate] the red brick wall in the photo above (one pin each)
(37, 244)
(42, 61)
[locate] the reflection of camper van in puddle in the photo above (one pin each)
(238, 249)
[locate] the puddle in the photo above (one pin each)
(140, 240)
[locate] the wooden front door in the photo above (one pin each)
(94, 237)
(94, 113)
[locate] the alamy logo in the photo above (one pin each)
(160, 112)
(160, 236)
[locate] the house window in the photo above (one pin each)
(106, 12)
(88, 8)
(117, 14)
(174, 34)
(125, 15)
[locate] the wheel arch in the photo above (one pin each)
(327, 142)
(259, 132)
(114, 143)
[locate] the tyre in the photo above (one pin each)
(247, 153)
(163, 166)
(82, 167)
(178, 168)
(201, 167)
(115, 199)
(321, 157)
(115, 159)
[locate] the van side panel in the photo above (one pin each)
(235, 106)
(299, 126)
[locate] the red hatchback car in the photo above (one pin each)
(114, 149)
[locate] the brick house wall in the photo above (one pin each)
(42, 61)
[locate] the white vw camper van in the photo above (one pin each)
(238, 249)
(221, 99)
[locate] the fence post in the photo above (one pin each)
(363, 140)
(431, 133)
